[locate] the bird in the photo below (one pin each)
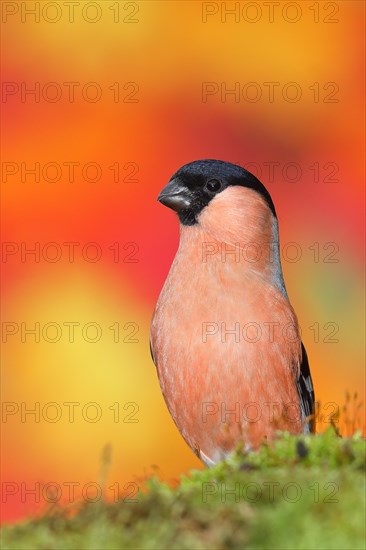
(224, 337)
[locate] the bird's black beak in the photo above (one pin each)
(175, 196)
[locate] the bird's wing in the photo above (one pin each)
(152, 355)
(305, 390)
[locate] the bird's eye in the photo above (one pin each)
(213, 185)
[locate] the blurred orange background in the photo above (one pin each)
(124, 93)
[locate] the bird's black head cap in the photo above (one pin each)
(194, 185)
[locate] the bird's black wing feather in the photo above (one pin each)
(306, 391)
(152, 355)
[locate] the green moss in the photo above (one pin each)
(301, 492)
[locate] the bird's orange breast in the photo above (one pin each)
(226, 347)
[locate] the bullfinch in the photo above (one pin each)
(224, 337)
